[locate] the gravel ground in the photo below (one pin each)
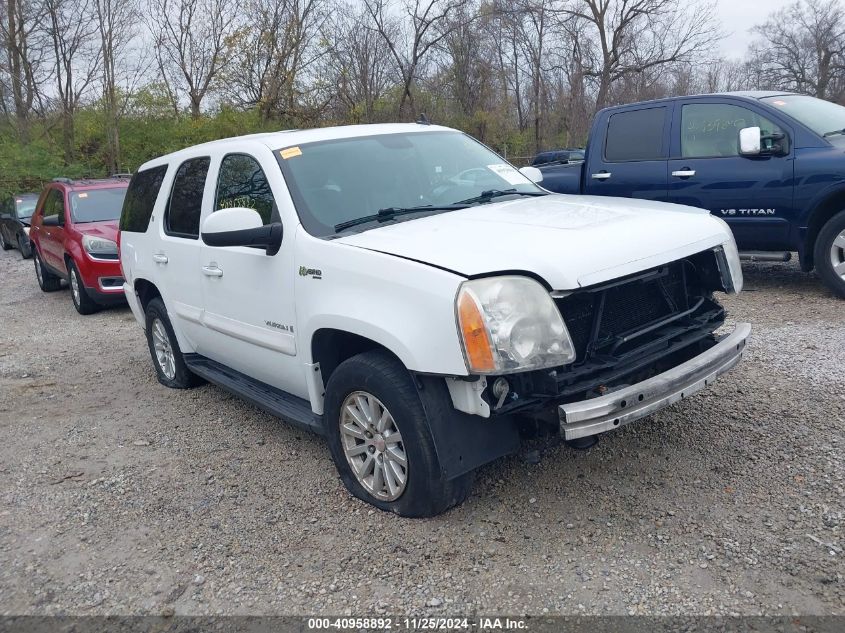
(119, 496)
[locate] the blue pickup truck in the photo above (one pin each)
(772, 165)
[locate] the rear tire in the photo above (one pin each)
(47, 281)
(370, 398)
(168, 360)
(83, 303)
(829, 254)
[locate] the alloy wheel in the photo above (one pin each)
(373, 446)
(74, 286)
(837, 255)
(163, 350)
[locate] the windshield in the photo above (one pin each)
(823, 117)
(333, 182)
(97, 205)
(25, 207)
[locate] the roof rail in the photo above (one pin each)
(62, 179)
(121, 175)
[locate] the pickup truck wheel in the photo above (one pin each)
(830, 253)
(81, 301)
(380, 440)
(168, 361)
(47, 281)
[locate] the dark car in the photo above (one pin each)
(15, 215)
(558, 157)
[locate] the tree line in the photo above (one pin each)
(90, 87)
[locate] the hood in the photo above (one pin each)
(570, 241)
(107, 229)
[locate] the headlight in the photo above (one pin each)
(26, 230)
(730, 267)
(99, 247)
(511, 324)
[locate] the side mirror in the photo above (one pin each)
(533, 174)
(240, 226)
(52, 220)
(749, 141)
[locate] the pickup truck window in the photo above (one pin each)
(823, 117)
(333, 182)
(711, 130)
(242, 183)
(636, 135)
(182, 216)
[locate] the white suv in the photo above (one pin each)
(405, 292)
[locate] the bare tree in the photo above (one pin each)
(628, 37)
(411, 40)
(802, 48)
(76, 59)
(272, 50)
(360, 64)
(23, 55)
(191, 39)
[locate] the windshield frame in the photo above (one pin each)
(788, 113)
(311, 225)
(76, 192)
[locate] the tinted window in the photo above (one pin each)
(712, 129)
(97, 205)
(636, 135)
(182, 217)
(141, 198)
(54, 204)
(242, 183)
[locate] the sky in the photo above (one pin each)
(738, 16)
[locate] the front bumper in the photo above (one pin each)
(597, 415)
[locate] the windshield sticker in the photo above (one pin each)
(509, 174)
(83, 195)
(779, 102)
(290, 152)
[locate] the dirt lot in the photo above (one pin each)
(120, 496)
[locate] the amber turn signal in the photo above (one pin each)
(479, 352)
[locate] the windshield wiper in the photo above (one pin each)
(385, 215)
(833, 133)
(487, 196)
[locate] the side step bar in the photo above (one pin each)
(270, 399)
(764, 256)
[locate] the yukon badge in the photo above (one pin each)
(314, 273)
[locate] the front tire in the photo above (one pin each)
(381, 442)
(25, 247)
(168, 360)
(83, 303)
(4, 244)
(47, 281)
(829, 254)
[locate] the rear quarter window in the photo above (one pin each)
(636, 135)
(141, 198)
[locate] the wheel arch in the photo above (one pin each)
(331, 346)
(146, 291)
(831, 204)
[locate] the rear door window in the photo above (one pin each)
(636, 135)
(182, 217)
(141, 198)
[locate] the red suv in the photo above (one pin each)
(74, 237)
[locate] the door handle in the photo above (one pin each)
(684, 173)
(160, 258)
(212, 270)
(604, 175)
